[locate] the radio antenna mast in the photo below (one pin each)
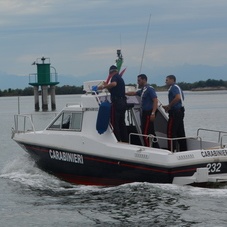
(148, 26)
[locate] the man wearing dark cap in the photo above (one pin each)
(116, 88)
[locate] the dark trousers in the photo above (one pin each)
(176, 129)
(147, 127)
(118, 119)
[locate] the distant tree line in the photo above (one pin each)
(67, 89)
(210, 83)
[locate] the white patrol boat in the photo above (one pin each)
(78, 148)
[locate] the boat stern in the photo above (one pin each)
(201, 177)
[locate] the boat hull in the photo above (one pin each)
(86, 169)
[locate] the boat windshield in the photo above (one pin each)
(67, 120)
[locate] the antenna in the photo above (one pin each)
(145, 44)
(120, 42)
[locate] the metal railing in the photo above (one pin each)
(223, 145)
(154, 139)
(26, 123)
(32, 122)
(33, 78)
(220, 134)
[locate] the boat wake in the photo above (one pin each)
(23, 170)
(127, 203)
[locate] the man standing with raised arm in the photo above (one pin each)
(116, 88)
(149, 105)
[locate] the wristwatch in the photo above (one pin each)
(152, 113)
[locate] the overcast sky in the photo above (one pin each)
(81, 36)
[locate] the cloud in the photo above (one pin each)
(81, 37)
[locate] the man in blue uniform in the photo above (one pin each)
(149, 105)
(116, 88)
(175, 128)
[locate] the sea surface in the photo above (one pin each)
(31, 197)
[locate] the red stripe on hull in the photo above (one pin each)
(95, 181)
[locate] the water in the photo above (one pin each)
(31, 197)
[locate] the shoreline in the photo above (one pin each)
(208, 89)
(199, 89)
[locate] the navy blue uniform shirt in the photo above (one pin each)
(119, 90)
(147, 94)
(173, 91)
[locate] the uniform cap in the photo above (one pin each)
(113, 68)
